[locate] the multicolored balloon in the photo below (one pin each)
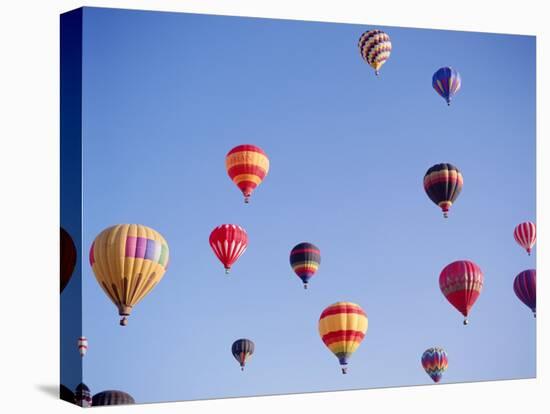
(525, 288)
(526, 235)
(446, 82)
(305, 259)
(128, 261)
(82, 345)
(112, 397)
(435, 362)
(67, 258)
(375, 47)
(242, 349)
(229, 242)
(461, 283)
(247, 165)
(342, 327)
(83, 395)
(443, 183)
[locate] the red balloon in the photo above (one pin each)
(461, 283)
(526, 235)
(67, 258)
(229, 241)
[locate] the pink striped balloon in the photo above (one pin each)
(526, 235)
(82, 345)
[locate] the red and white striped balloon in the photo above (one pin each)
(82, 345)
(526, 235)
(229, 241)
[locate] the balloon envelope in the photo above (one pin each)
(112, 397)
(446, 81)
(305, 259)
(525, 288)
(128, 261)
(242, 349)
(526, 235)
(66, 394)
(375, 48)
(435, 362)
(229, 242)
(247, 166)
(342, 327)
(83, 395)
(443, 183)
(67, 258)
(461, 283)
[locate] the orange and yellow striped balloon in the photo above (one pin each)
(342, 327)
(128, 261)
(247, 165)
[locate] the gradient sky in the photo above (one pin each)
(167, 95)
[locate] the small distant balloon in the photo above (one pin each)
(446, 82)
(443, 183)
(526, 235)
(82, 345)
(435, 362)
(247, 166)
(242, 350)
(461, 283)
(305, 259)
(342, 327)
(525, 288)
(229, 242)
(375, 47)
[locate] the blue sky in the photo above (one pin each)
(166, 95)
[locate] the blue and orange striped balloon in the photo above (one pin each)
(435, 362)
(305, 259)
(446, 82)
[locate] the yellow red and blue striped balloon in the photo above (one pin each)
(247, 166)
(128, 261)
(375, 47)
(342, 327)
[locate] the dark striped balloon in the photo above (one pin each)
(112, 397)
(242, 349)
(443, 183)
(305, 259)
(83, 395)
(525, 287)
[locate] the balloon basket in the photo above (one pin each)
(466, 322)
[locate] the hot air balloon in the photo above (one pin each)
(247, 165)
(66, 394)
(342, 327)
(228, 241)
(526, 235)
(434, 361)
(305, 259)
(461, 283)
(446, 82)
(375, 48)
(242, 350)
(112, 397)
(443, 183)
(82, 395)
(67, 258)
(525, 288)
(82, 345)
(128, 261)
